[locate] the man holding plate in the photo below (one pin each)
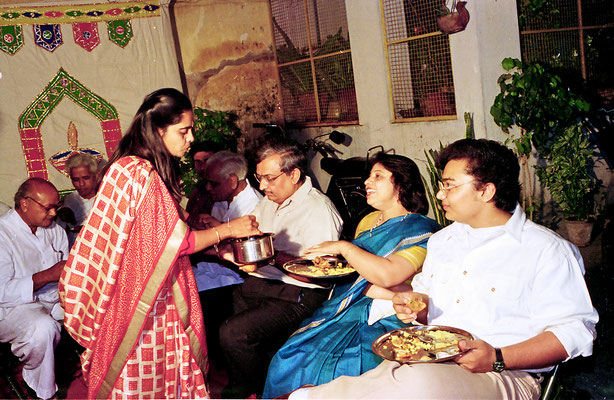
(516, 286)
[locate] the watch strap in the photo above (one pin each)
(499, 364)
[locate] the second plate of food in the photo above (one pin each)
(420, 344)
(319, 267)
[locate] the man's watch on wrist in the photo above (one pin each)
(498, 365)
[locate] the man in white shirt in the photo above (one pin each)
(83, 172)
(270, 305)
(33, 251)
(516, 286)
(225, 180)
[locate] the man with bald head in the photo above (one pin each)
(33, 251)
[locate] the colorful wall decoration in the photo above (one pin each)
(94, 78)
(47, 20)
(63, 85)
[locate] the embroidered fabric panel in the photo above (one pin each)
(86, 34)
(49, 37)
(68, 14)
(31, 119)
(120, 32)
(11, 39)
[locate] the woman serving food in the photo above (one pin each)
(389, 248)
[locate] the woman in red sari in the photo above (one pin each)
(128, 289)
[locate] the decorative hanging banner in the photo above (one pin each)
(86, 34)
(30, 121)
(68, 14)
(49, 37)
(120, 32)
(11, 38)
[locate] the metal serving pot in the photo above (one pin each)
(252, 249)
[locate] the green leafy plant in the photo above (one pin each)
(535, 99)
(434, 174)
(569, 175)
(214, 126)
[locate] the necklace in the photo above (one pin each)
(379, 221)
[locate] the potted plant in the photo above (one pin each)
(335, 77)
(454, 18)
(215, 126)
(535, 99)
(570, 179)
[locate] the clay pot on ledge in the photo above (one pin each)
(456, 20)
(579, 232)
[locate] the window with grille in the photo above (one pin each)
(314, 60)
(419, 62)
(577, 36)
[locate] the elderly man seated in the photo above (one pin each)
(200, 201)
(225, 180)
(269, 305)
(83, 172)
(33, 251)
(515, 285)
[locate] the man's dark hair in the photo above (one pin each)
(406, 179)
(292, 156)
(488, 162)
(205, 145)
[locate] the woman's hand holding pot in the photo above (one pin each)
(242, 227)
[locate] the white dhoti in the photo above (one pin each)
(33, 335)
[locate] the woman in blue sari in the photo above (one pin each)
(389, 248)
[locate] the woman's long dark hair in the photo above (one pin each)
(406, 179)
(159, 110)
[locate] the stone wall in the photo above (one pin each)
(227, 56)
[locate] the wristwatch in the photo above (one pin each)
(498, 365)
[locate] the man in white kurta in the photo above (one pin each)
(33, 251)
(270, 304)
(516, 286)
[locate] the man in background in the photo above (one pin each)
(83, 172)
(200, 201)
(225, 179)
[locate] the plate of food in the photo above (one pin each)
(319, 267)
(420, 344)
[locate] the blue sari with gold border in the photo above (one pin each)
(337, 339)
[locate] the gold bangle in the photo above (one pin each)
(218, 236)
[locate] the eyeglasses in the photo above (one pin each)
(443, 188)
(53, 207)
(267, 178)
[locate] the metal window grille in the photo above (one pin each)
(575, 35)
(419, 62)
(313, 55)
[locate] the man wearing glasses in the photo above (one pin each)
(270, 305)
(33, 251)
(516, 286)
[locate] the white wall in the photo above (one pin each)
(477, 52)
